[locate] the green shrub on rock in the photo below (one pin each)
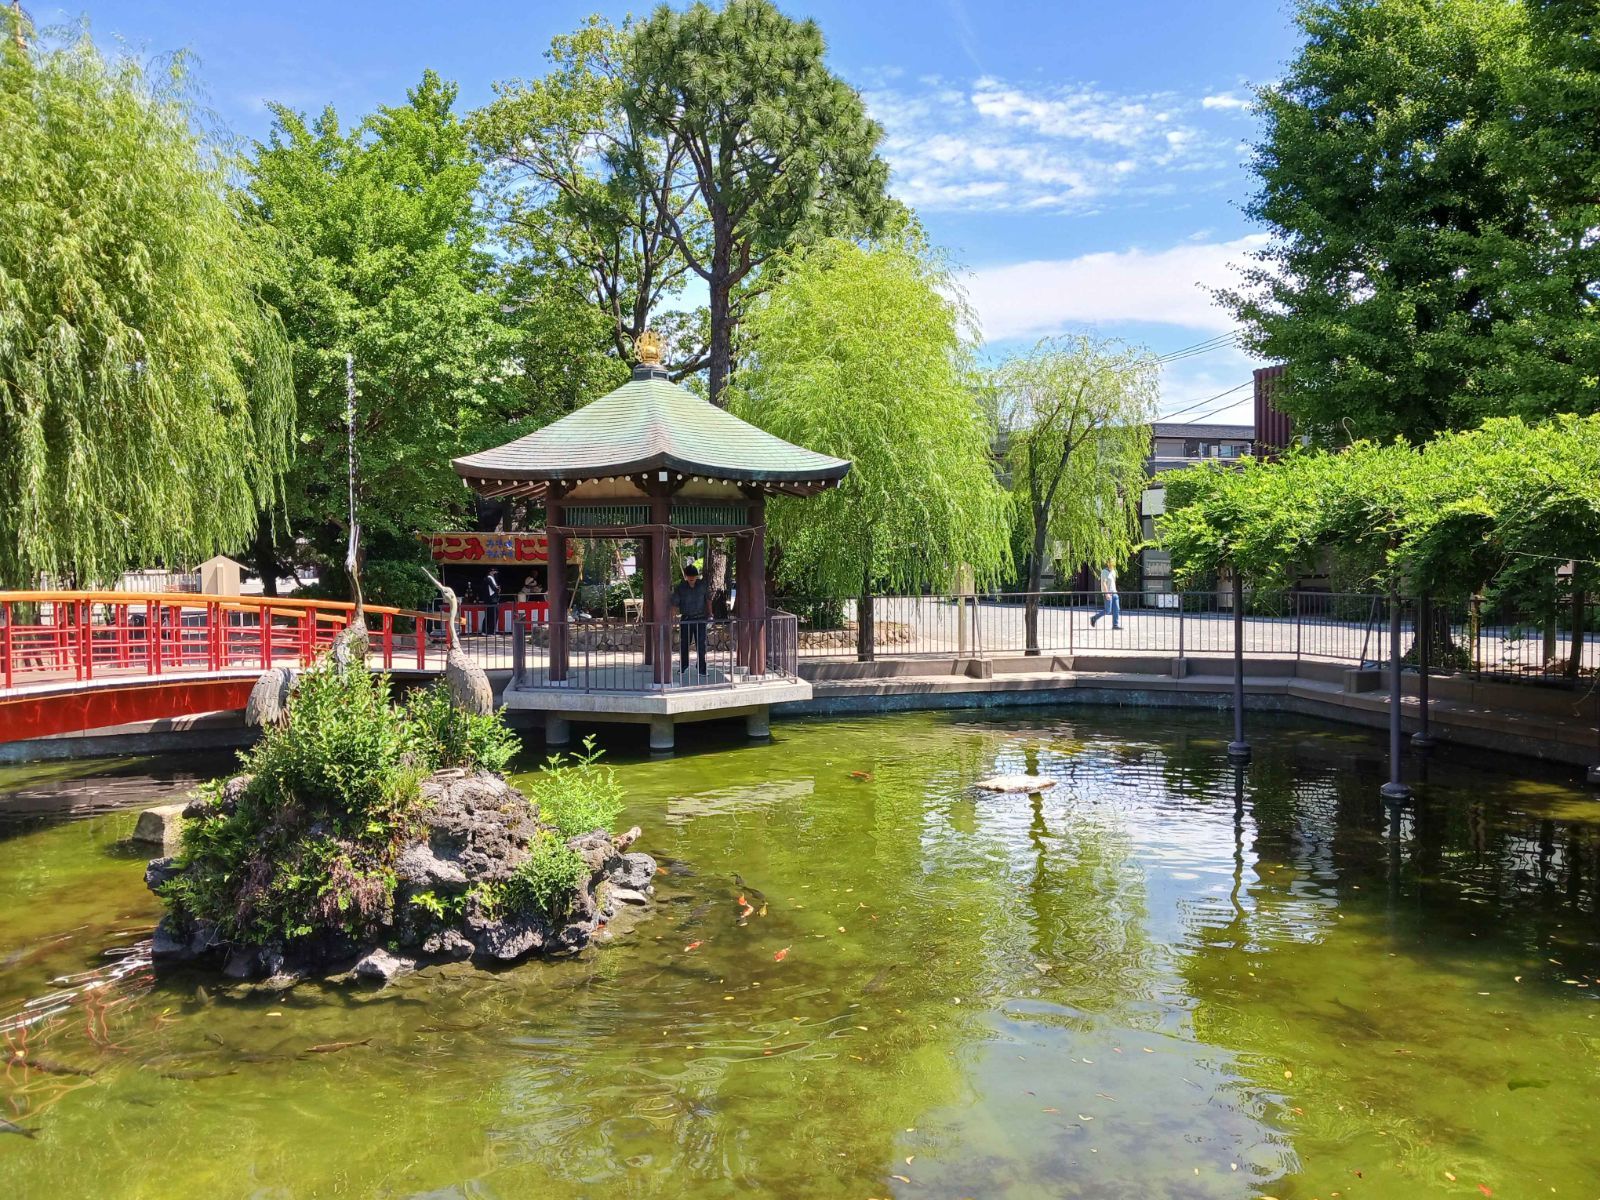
(577, 794)
(443, 735)
(545, 883)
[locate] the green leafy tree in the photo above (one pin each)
(776, 149)
(1502, 504)
(1076, 414)
(861, 353)
(145, 397)
(382, 256)
(1431, 173)
(581, 192)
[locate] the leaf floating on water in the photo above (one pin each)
(781, 955)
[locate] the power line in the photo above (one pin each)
(1205, 347)
(1206, 401)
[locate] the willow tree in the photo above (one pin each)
(1076, 414)
(862, 352)
(145, 395)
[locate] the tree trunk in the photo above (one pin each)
(264, 551)
(720, 357)
(1580, 603)
(1030, 604)
(866, 637)
(1552, 619)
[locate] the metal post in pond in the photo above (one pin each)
(1238, 748)
(1422, 739)
(1395, 789)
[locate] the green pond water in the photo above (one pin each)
(1161, 979)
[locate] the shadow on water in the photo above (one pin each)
(1164, 977)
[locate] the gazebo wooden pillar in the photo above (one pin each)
(556, 585)
(658, 582)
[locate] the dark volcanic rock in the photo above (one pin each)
(477, 823)
(159, 871)
(379, 966)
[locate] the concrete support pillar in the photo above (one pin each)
(662, 735)
(1395, 789)
(557, 730)
(758, 724)
(1238, 749)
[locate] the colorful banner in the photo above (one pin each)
(463, 546)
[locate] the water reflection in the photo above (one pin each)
(1165, 977)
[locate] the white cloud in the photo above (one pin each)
(997, 146)
(1226, 100)
(1166, 287)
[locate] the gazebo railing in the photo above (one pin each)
(608, 655)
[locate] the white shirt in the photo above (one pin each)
(1108, 580)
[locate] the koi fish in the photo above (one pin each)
(330, 1047)
(781, 955)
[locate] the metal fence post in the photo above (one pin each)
(1180, 626)
(1238, 748)
(1422, 739)
(1395, 789)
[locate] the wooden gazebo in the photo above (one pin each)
(653, 462)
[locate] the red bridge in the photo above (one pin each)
(78, 660)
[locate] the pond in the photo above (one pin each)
(1161, 979)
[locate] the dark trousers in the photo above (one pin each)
(696, 630)
(491, 617)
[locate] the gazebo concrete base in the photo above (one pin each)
(662, 711)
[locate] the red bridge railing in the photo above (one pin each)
(77, 636)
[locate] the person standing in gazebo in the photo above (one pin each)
(692, 598)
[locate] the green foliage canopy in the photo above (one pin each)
(582, 194)
(145, 396)
(382, 255)
(861, 353)
(1431, 174)
(777, 150)
(1445, 518)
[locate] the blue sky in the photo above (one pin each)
(1081, 159)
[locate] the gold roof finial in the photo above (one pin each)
(648, 347)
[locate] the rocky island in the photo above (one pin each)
(365, 838)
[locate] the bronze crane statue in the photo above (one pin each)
(468, 685)
(269, 698)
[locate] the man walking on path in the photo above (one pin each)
(1108, 590)
(692, 599)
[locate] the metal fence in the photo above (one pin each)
(1350, 628)
(623, 656)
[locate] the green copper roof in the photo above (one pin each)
(650, 424)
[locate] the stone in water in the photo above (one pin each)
(1016, 783)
